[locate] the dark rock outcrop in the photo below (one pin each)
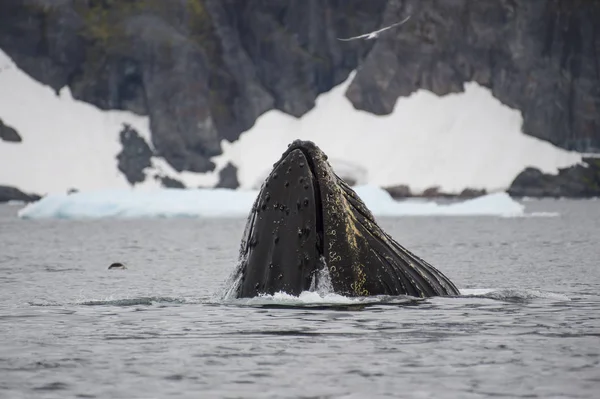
(578, 181)
(468, 193)
(169, 182)
(9, 134)
(228, 177)
(8, 193)
(403, 191)
(135, 155)
(399, 192)
(432, 192)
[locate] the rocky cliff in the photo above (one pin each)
(8, 194)
(204, 70)
(539, 56)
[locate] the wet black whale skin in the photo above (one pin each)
(306, 218)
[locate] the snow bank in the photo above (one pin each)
(236, 203)
(456, 141)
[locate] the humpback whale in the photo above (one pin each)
(305, 219)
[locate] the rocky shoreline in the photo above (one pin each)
(577, 181)
(403, 191)
(8, 194)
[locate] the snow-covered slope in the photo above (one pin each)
(456, 141)
(66, 143)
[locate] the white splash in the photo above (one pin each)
(321, 280)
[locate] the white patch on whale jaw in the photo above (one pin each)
(321, 280)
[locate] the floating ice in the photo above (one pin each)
(171, 203)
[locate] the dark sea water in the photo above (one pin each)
(527, 326)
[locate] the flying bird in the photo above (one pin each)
(375, 34)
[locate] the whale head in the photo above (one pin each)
(306, 220)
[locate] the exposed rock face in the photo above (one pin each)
(169, 182)
(9, 134)
(576, 181)
(432, 192)
(541, 57)
(14, 194)
(472, 193)
(204, 70)
(403, 191)
(135, 155)
(228, 177)
(399, 192)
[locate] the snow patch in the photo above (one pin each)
(237, 203)
(68, 143)
(455, 141)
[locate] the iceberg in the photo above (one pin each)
(215, 203)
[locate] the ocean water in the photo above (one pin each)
(528, 324)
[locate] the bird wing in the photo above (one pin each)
(355, 37)
(393, 25)
(375, 33)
